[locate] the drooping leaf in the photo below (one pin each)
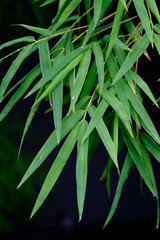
(97, 11)
(18, 40)
(143, 15)
(57, 96)
(115, 28)
(124, 174)
(154, 8)
(26, 82)
(80, 78)
(124, 4)
(95, 118)
(136, 103)
(28, 123)
(143, 86)
(47, 2)
(44, 56)
(56, 168)
(67, 124)
(151, 145)
(157, 42)
(138, 50)
(118, 43)
(105, 137)
(41, 31)
(100, 65)
(57, 68)
(67, 11)
(81, 167)
(118, 107)
(59, 77)
(13, 69)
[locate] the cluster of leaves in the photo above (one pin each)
(91, 68)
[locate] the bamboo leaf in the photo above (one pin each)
(47, 2)
(100, 65)
(143, 15)
(118, 43)
(57, 96)
(67, 11)
(56, 168)
(57, 68)
(153, 6)
(59, 77)
(143, 86)
(149, 169)
(115, 28)
(118, 107)
(151, 146)
(13, 69)
(81, 167)
(124, 4)
(28, 123)
(80, 78)
(97, 11)
(100, 110)
(105, 137)
(18, 40)
(157, 42)
(27, 81)
(137, 105)
(44, 56)
(113, 69)
(156, 27)
(124, 174)
(138, 50)
(67, 124)
(41, 31)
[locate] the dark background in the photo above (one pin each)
(58, 217)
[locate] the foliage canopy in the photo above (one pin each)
(88, 63)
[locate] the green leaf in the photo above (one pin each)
(13, 69)
(57, 68)
(118, 43)
(157, 42)
(26, 82)
(44, 56)
(100, 65)
(80, 78)
(56, 168)
(47, 2)
(67, 124)
(81, 167)
(67, 11)
(97, 11)
(28, 123)
(115, 28)
(57, 96)
(59, 77)
(156, 27)
(124, 174)
(100, 110)
(137, 105)
(113, 69)
(118, 107)
(143, 15)
(153, 6)
(143, 86)
(18, 40)
(124, 4)
(151, 146)
(41, 31)
(138, 50)
(105, 137)
(149, 169)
